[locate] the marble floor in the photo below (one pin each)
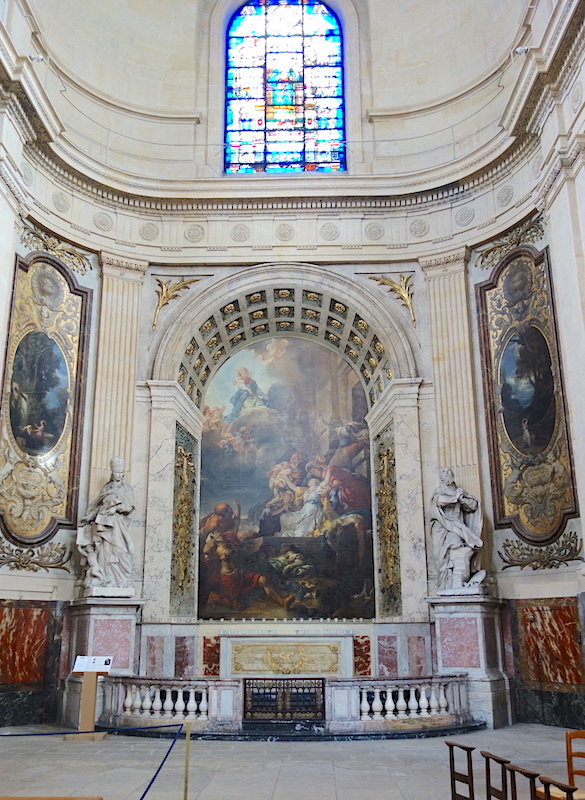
(121, 767)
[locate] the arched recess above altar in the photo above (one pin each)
(375, 350)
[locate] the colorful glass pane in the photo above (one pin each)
(284, 98)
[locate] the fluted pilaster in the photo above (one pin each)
(445, 277)
(116, 365)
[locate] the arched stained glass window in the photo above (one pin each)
(284, 98)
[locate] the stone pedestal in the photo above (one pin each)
(469, 639)
(100, 626)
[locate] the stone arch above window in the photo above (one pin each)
(284, 89)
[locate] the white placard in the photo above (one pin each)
(93, 664)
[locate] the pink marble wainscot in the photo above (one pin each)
(387, 657)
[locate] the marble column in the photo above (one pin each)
(115, 389)
(452, 346)
(400, 405)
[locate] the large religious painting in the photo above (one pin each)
(41, 406)
(529, 442)
(285, 521)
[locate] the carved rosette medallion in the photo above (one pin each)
(194, 233)
(148, 231)
(240, 233)
(505, 196)
(464, 216)
(389, 595)
(103, 221)
(374, 231)
(41, 402)
(419, 227)
(329, 231)
(61, 202)
(531, 465)
(285, 232)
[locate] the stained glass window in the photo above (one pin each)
(284, 97)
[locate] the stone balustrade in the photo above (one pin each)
(427, 701)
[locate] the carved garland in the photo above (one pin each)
(518, 554)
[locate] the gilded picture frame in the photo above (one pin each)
(42, 401)
(530, 453)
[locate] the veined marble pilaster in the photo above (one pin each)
(451, 340)
(168, 405)
(399, 405)
(116, 365)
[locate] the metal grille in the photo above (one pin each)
(284, 699)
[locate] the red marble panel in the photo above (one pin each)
(113, 637)
(417, 657)
(362, 660)
(550, 654)
(23, 644)
(155, 656)
(184, 657)
(211, 656)
(459, 642)
(387, 657)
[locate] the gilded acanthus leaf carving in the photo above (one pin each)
(403, 290)
(49, 556)
(527, 233)
(168, 291)
(518, 554)
(36, 239)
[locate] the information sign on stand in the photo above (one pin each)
(90, 667)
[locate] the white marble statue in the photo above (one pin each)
(103, 538)
(456, 525)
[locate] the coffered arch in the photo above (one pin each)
(272, 300)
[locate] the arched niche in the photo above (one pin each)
(382, 366)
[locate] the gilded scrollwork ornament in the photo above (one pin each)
(388, 525)
(46, 557)
(184, 550)
(567, 548)
(41, 400)
(36, 239)
(527, 233)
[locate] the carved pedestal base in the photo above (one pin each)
(469, 639)
(100, 626)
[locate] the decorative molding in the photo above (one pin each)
(48, 556)
(402, 290)
(168, 291)
(527, 233)
(114, 261)
(36, 239)
(445, 260)
(565, 549)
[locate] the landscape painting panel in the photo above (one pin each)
(286, 523)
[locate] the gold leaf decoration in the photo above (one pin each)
(168, 291)
(49, 556)
(402, 290)
(36, 239)
(527, 233)
(519, 554)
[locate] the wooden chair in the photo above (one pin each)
(556, 792)
(530, 776)
(490, 790)
(555, 789)
(465, 778)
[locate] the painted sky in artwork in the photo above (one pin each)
(285, 486)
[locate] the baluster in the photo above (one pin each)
(203, 705)
(168, 703)
(364, 705)
(389, 705)
(156, 703)
(423, 701)
(180, 702)
(413, 702)
(191, 704)
(433, 702)
(377, 704)
(147, 702)
(401, 704)
(137, 704)
(442, 699)
(128, 700)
